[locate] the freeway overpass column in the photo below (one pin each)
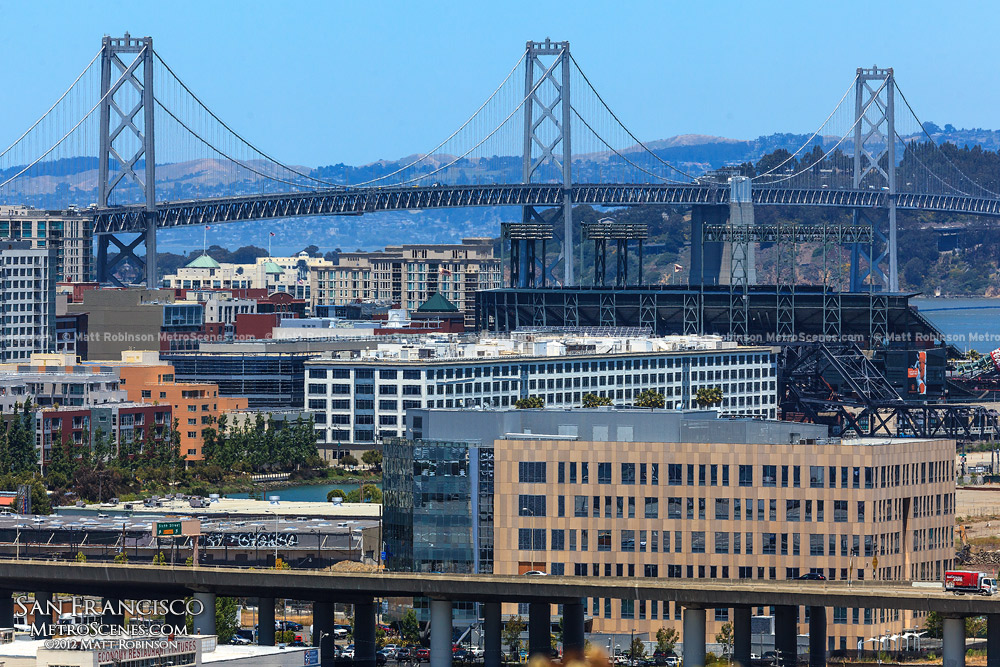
(539, 629)
(6, 609)
(265, 621)
(953, 632)
(441, 633)
(43, 614)
(573, 634)
(694, 637)
(742, 636)
(364, 633)
(493, 631)
(993, 640)
(817, 636)
(786, 635)
(322, 632)
(204, 623)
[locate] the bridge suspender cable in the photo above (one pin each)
(814, 134)
(61, 98)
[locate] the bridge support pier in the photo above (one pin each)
(817, 636)
(204, 623)
(742, 636)
(993, 640)
(786, 635)
(265, 622)
(539, 629)
(43, 615)
(364, 633)
(322, 637)
(694, 637)
(573, 632)
(493, 630)
(441, 633)
(953, 633)
(6, 609)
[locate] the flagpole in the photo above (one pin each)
(204, 241)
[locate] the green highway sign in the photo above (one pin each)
(168, 528)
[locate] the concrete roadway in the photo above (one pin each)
(148, 581)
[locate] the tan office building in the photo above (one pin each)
(857, 510)
(68, 234)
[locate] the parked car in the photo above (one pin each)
(348, 652)
(239, 640)
(673, 661)
(380, 659)
(423, 655)
(461, 655)
(811, 576)
(402, 654)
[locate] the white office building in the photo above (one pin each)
(27, 300)
(356, 402)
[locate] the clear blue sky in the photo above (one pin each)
(325, 82)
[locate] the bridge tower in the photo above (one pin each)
(127, 156)
(875, 168)
(547, 119)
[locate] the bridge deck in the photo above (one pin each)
(357, 201)
(147, 581)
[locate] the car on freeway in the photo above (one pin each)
(811, 576)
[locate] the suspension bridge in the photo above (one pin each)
(531, 144)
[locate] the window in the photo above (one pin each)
(604, 540)
(721, 543)
(674, 474)
(673, 508)
(530, 505)
(561, 472)
(840, 511)
(584, 473)
(697, 541)
(769, 475)
(816, 545)
(770, 543)
(722, 508)
(558, 540)
(793, 510)
(652, 508)
(628, 540)
(746, 475)
(651, 571)
(603, 473)
(531, 472)
(816, 477)
(580, 506)
(531, 539)
(628, 473)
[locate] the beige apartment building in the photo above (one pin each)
(852, 510)
(408, 275)
(68, 233)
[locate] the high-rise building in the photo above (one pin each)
(68, 233)
(671, 495)
(409, 275)
(27, 300)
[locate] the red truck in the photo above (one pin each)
(960, 581)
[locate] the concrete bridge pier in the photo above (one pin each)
(6, 609)
(993, 640)
(494, 634)
(323, 624)
(694, 637)
(441, 633)
(364, 633)
(817, 637)
(953, 634)
(742, 636)
(573, 631)
(43, 614)
(539, 629)
(786, 635)
(204, 623)
(265, 622)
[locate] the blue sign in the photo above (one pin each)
(310, 657)
(383, 555)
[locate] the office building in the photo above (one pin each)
(357, 403)
(27, 300)
(643, 493)
(50, 380)
(289, 275)
(69, 234)
(409, 275)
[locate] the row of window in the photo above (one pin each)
(722, 542)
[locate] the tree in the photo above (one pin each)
(409, 627)
(637, 649)
(529, 402)
(121, 558)
(593, 400)
(348, 460)
(226, 621)
(725, 637)
(335, 493)
(81, 557)
(666, 639)
(649, 399)
(280, 564)
(512, 630)
(159, 559)
(369, 493)
(706, 396)
(372, 458)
